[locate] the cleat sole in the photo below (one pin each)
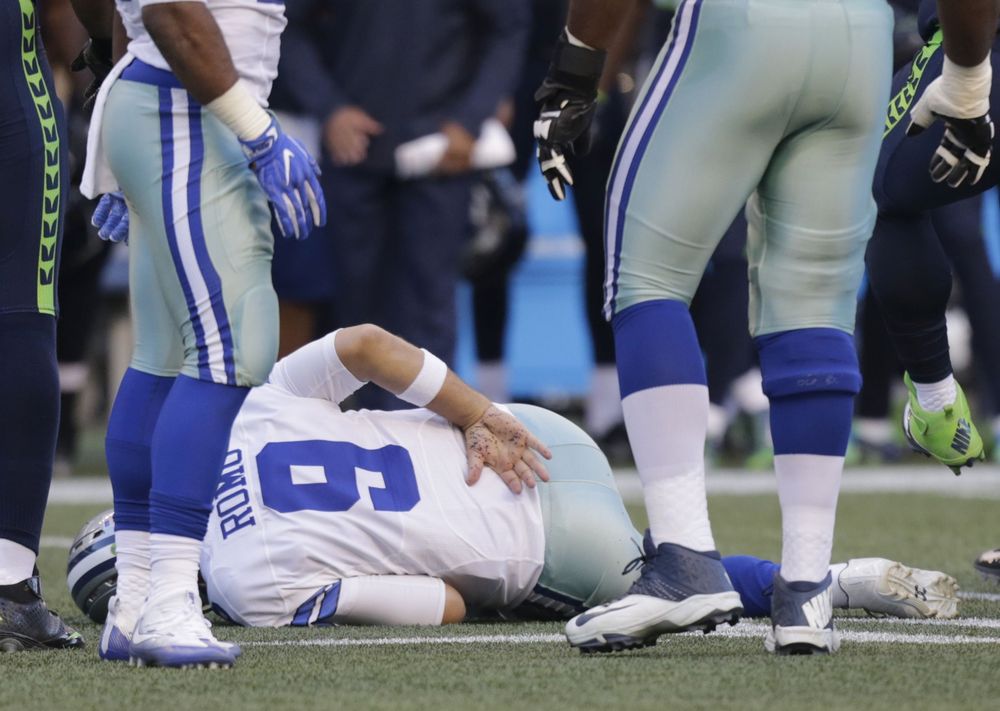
(621, 643)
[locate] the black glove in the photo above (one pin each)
(960, 97)
(568, 101)
(95, 56)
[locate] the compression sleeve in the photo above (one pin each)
(316, 371)
(391, 600)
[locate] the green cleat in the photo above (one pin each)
(949, 436)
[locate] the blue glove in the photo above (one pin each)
(111, 218)
(289, 176)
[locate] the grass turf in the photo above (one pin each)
(286, 669)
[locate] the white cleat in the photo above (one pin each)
(173, 632)
(117, 633)
(886, 587)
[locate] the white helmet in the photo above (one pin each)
(90, 573)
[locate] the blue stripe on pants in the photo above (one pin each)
(683, 33)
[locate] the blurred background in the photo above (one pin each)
(481, 266)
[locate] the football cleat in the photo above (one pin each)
(886, 587)
(117, 633)
(172, 632)
(679, 590)
(988, 564)
(802, 618)
(26, 622)
(948, 436)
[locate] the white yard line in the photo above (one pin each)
(743, 630)
(981, 482)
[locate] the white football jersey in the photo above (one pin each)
(252, 30)
(310, 494)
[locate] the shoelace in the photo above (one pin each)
(637, 563)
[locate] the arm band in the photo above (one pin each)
(237, 109)
(428, 382)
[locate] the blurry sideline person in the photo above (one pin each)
(379, 74)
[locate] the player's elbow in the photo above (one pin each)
(358, 348)
(454, 606)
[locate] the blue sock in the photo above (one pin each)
(810, 376)
(753, 579)
(133, 418)
(189, 448)
(656, 344)
(29, 420)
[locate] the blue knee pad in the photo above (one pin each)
(811, 377)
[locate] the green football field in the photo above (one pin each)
(882, 664)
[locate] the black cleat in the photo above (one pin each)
(988, 565)
(26, 622)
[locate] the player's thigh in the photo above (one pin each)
(186, 180)
(697, 143)
(813, 213)
(589, 537)
(33, 169)
(158, 346)
(902, 182)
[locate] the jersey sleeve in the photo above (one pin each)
(316, 371)
(391, 600)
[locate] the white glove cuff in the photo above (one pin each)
(428, 382)
(240, 112)
(967, 89)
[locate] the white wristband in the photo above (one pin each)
(428, 383)
(967, 89)
(240, 112)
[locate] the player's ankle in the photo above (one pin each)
(934, 397)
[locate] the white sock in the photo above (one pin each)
(838, 596)
(174, 565)
(17, 563)
(491, 377)
(808, 486)
(933, 397)
(133, 564)
(603, 409)
(666, 428)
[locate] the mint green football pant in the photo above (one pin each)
(200, 242)
(589, 538)
(775, 105)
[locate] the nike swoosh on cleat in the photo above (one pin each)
(587, 617)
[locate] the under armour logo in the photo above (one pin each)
(920, 592)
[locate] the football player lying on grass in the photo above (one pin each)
(371, 517)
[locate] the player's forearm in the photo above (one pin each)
(97, 16)
(596, 22)
(969, 28)
(119, 39)
(375, 355)
(192, 43)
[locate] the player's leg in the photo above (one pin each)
(910, 277)
(877, 585)
(809, 222)
(33, 182)
(589, 538)
(698, 141)
(960, 227)
(157, 358)
(213, 262)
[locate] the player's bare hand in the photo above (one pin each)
(499, 441)
(457, 157)
(347, 133)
